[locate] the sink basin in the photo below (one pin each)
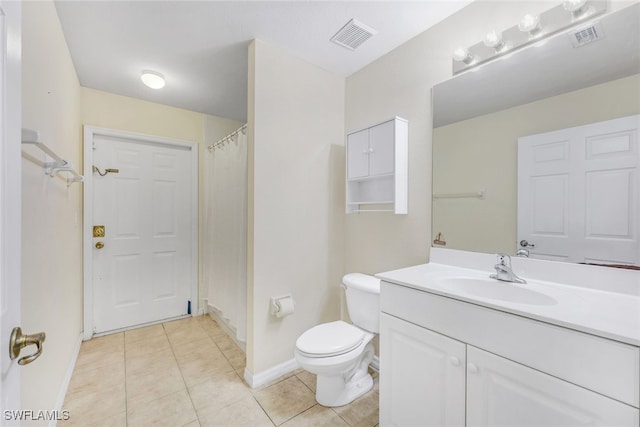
(496, 290)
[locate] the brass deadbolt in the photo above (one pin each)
(98, 231)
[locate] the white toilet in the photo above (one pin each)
(340, 353)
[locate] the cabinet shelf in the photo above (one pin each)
(382, 202)
(377, 163)
(371, 178)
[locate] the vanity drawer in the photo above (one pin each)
(598, 364)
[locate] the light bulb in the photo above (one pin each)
(462, 54)
(494, 40)
(152, 79)
(529, 24)
(574, 6)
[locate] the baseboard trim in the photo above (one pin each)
(214, 313)
(270, 374)
(67, 380)
(375, 364)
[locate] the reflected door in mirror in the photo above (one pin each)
(578, 193)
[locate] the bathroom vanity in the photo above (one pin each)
(458, 348)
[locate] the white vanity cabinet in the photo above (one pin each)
(504, 393)
(445, 362)
(427, 382)
(377, 163)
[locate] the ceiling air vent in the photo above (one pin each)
(586, 35)
(353, 34)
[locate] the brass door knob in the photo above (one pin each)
(99, 245)
(18, 341)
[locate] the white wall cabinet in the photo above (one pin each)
(377, 168)
(432, 375)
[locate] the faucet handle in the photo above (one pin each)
(504, 259)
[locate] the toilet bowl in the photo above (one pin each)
(339, 353)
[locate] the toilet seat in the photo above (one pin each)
(330, 339)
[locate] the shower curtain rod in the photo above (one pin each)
(221, 141)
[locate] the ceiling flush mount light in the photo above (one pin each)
(530, 29)
(530, 24)
(152, 79)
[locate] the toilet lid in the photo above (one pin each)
(330, 339)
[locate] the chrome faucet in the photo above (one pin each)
(504, 272)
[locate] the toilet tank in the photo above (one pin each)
(363, 300)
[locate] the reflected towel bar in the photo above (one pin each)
(478, 195)
(58, 165)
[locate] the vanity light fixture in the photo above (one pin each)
(531, 28)
(152, 79)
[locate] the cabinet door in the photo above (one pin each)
(358, 154)
(422, 376)
(504, 393)
(382, 148)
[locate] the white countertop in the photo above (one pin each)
(599, 312)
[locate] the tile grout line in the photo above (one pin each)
(126, 400)
(182, 375)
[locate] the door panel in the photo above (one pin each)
(578, 193)
(144, 272)
(358, 154)
(425, 377)
(381, 148)
(501, 393)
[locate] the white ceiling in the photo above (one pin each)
(201, 46)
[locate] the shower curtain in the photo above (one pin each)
(225, 232)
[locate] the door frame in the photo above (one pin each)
(87, 240)
(10, 198)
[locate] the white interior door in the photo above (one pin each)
(578, 191)
(10, 187)
(143, 267)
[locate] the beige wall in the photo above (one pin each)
(296, 193)
(400, 84)
(51, 212)
(481, 152)
(108, 110)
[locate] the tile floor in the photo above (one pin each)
(189, 373)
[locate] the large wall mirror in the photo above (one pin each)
(545, 89)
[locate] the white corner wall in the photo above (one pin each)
(51, 212)
(296, 200)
